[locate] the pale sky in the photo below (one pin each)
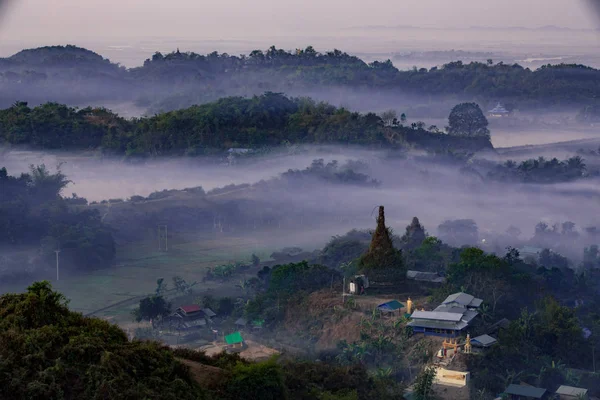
(64, 20)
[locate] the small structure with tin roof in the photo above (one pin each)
(234, 342)
(571, 393)
(390, 307)
(483, 341)
(525, 392)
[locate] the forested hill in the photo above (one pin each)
(270, 119)
(178, 79)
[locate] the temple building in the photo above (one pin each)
(498, 111)
(449, 319)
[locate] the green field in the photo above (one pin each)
(139, 265)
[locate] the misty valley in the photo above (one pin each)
(297, 225)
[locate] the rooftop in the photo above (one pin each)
(499, 109)
(437, 316)
(234, 338)
(484, 340)
(455, 326)
(571, 391)
(464, 299)
(209, 313)
(393, 305)
(190, 309)
(525, 391)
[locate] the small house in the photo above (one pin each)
(448, 319)
(235, 342)
(525, 392)
(484, 341)
(571, 393)
(358, 284)
(190, 312)
(209, 313)
(390, 307)
(188, 318)
(241, 322)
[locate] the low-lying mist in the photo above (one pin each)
(411, 185)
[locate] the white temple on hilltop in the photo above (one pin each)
(498, 111)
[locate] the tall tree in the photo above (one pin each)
(467, 119)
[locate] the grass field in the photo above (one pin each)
(139, 265)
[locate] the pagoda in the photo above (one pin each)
(498, 111)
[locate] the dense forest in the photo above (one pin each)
(270, 119)
(50, 352)
(180, 79)
(33, 213)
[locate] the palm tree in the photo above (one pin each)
(510, 377)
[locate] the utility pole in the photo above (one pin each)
(160, 237)
(57, 251)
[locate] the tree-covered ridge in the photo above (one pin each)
(266, 120)
(50, 352)
(32, 212)
(179, 79)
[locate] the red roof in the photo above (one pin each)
(190, 309)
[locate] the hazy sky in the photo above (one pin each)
(60, 20)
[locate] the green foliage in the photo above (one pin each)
(467, 119)
(182, 286)
(257, 381)
(33, 212)
(540, 170)
(151, 308)
(49, 352)
(290, 278)
(424, 383)
(535, 348)
(270, 119)
(329, 172)
(343, 249)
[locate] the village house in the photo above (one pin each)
(526, 392)
(449, 319)
(571, 393)
(188, 317)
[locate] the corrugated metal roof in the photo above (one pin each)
(525, 391)
(436, 316)
(241, 321)
(484, 340)
(390, 306)
(209, 313)
(469, 315)
(459, 298)
(193, 324)
(475, 302)
(571, 391)
(190, 309)
(234, 338)
(450, 309)
(455, 326)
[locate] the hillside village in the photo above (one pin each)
(370, 317)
